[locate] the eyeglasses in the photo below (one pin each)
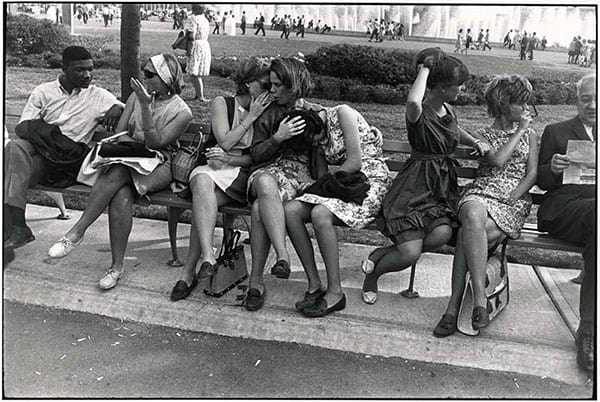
(149, 74)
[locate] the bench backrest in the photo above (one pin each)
(391, 148)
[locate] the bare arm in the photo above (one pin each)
(124, 120)
(416, 95)
(499, 157)
(532, 168)
(348, 123)
(228, 137)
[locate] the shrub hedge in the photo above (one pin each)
(341, 72)
(27, 36)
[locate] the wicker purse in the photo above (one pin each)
(185, 160)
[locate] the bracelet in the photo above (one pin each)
(246, 127)
(477, 141)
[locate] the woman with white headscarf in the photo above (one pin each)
(156, 116)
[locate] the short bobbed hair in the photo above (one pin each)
(294, 75)
(447, 72)
(250, 70)
(505, 90)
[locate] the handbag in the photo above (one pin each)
(184, 42)
(230, 266)
(497, 291)
(185, 160)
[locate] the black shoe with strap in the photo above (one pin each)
(446, 326)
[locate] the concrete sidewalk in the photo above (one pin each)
(529, 337)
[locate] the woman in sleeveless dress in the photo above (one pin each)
(223, 179)
(155, 115)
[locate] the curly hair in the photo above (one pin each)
(251, 70)
(294, 75)
(505, 90)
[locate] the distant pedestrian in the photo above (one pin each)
(468, 41)
(105, 15)
(486, 40)
(260, 25)
(243, 23)
(479, 44)
(507, 39)
(524, 46)
(543, 43)
(458, 45)
(300, 26)
(217, 27)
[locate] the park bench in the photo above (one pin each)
(393, 149)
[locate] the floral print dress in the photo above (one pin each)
(492, 186)
(373, 166)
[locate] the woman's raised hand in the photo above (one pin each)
(259, 104)
(524, 121)
(140, 90)
(289, 127)
(216, 157)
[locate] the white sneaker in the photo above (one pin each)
(63, 247)
(110, 280)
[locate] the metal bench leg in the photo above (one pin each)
(174, 215)
(228, 220)
(410, 293)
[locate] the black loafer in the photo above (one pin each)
(446, 326)
(207, 269)
(281, 269)
(254, 299)
(480, 318)
(19, 236)
(182, 290)
(310, 299)
(320, 309)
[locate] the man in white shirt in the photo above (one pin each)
(76, 108)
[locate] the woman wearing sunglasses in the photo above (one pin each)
(156, 116)
(494, 206)
(222, 179)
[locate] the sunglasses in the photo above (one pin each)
(149, 74)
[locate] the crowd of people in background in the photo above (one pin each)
(379, 30)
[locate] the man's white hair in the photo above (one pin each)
(587, 77)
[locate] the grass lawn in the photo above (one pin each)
(157, 37)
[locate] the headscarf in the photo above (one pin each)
(164, 72)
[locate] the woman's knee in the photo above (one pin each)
(265, 185)
(410, 251)
(202, 184)
(473, 214)
(321, 217)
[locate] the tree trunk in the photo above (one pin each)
(130, 46)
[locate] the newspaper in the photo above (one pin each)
(582, 167)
